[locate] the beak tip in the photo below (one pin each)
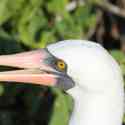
(65, 83)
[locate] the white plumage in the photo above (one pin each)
(98, 92)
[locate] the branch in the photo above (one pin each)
(96, 28)
(106, 6)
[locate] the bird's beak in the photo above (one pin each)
(34, 67)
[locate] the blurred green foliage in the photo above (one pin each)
(36, 23)
(120, 58)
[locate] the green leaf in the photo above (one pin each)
(62, 109)
(1, 89)
(120, 58)
(57, 6)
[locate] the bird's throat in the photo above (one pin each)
(95, 108)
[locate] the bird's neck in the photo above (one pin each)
(91, 108)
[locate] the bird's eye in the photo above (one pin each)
(61, 65)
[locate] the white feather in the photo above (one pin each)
(98, 93)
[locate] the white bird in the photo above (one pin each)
(86, 71)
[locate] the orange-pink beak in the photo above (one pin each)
(37, 67)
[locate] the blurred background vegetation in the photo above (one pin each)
(31, 24)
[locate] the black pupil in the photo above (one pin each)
(61, 64)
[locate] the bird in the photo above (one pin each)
(81, 68)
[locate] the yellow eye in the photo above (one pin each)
(61, 65)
